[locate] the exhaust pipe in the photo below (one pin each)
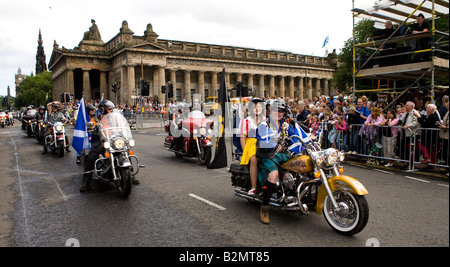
(273, 202)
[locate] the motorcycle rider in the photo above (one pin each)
(40, 114)
(105, 107)
(55, 116)
(10, 119)
(270, 158)
(248, 127)
(26, 117)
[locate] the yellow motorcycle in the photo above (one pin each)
(312, 181)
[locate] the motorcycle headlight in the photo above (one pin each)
(119, 143)
(106, 145)
(195, 131)
(332, 156)
(59, 128)
(131, 142)
(203, 131)
(317, 157)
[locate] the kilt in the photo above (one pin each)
(266, 166)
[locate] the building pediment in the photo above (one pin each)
(150, 47)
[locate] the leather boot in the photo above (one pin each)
(264, 214)
(86, 184)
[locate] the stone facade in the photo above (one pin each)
(94, 66)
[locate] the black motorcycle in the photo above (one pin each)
(117, 164)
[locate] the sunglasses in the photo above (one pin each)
(281, 111)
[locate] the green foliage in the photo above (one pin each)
(34, 90)
(342, 78)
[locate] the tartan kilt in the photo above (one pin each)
(266, 166)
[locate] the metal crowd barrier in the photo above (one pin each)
(384, 143)
(145, 120)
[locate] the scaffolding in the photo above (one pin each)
(389, 62)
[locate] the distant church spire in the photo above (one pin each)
(41, 64)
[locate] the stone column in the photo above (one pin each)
(70, 82)
(201, 84)
(161, 82)
(283, 87)
(272, 86)
(86, 85)
(187, 86)
(214, 85)
(103, 85)
(291, 86)
(300, 89)
(131, 84)
(261, 86)
(156, 90)
(173, 80)
(250, 81)
(309, 88)
(318, 87)
(326, 88)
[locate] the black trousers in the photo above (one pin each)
(89, 161)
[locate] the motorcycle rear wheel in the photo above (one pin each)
(124, 182)
(353, 216)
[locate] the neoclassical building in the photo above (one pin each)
(193, 68)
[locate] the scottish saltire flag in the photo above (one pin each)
(297, 130)
(325, 42)
(80, 138)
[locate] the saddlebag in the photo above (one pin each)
(240, 175)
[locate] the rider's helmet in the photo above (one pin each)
(90, 107)
(41, 108)
(280, 104)
(104, 105)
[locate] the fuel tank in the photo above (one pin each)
(300, 164)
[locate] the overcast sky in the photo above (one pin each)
(297, 26)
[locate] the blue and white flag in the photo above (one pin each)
(297, 130)
(80, 139)
(325, 42)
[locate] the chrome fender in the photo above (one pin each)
(343, 183)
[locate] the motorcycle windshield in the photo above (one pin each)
(196, 115)
(115, 125)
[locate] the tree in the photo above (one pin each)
(34, 90)
(342, 78)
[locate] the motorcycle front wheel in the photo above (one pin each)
(124, 182)
(352, 216)
(61, 149)
(205, 156)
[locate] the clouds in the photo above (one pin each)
(287, 25)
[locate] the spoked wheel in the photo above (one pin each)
(124, 182)
(352, 216)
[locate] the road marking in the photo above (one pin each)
(16, 153)
(420, 180)
(383, 171)
(445, 185)
(207, 202)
